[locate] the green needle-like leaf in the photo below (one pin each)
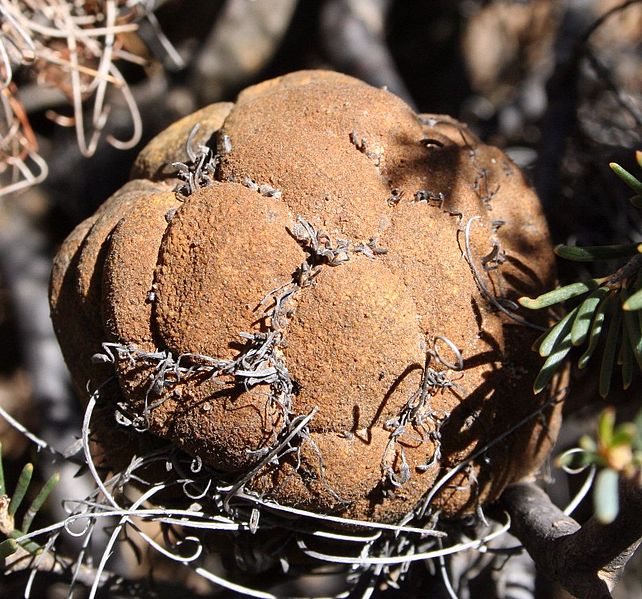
(634, 302)
(558, 334)
(2, 487)
(596, 252)
(628, 360)
(605, 426)
(29, 545)
(8, 547)
(21, 489)
(559, 295)
(627, 177)
(39, 500)
(606, 497)
(610, 350)
(634, 332)
(596, 330)
(620, 353)
(584, 316)
(552, 364)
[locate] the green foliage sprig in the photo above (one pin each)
(617, 451)
(9, 506)
(611, 309)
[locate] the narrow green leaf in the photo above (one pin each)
(584, 316)
(628, 360)
(8, 547)
(21, 489)
(558, 334)
(605, 425)
(633, 331)
(560, 294)
(596, 252)
(634, 302)
(596, 330)
(552, 364)
(627, 177)
(610, 350)
(606, 496)
(28, 545)
(39, 500)
(2, 487)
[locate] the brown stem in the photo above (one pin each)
(628, 271)
(587, 560)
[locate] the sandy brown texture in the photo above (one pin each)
(375, 349)
(334, 238)
(92, 253)
(224, 250)
(81, 337)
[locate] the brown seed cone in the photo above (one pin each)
(361, 216)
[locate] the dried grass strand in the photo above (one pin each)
(72, 46)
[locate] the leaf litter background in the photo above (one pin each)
(549, 82)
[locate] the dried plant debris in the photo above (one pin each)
(192, 504)
(200, 168)
(20, 164)
(74, 47)
(308, 320)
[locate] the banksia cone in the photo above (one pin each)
(318, 301)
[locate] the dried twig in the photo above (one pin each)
(587, 560)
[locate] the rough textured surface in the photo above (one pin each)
(155, 160)
(333, 236)
(365, 354)
(224, 250)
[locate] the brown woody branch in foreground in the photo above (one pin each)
(587, 560)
